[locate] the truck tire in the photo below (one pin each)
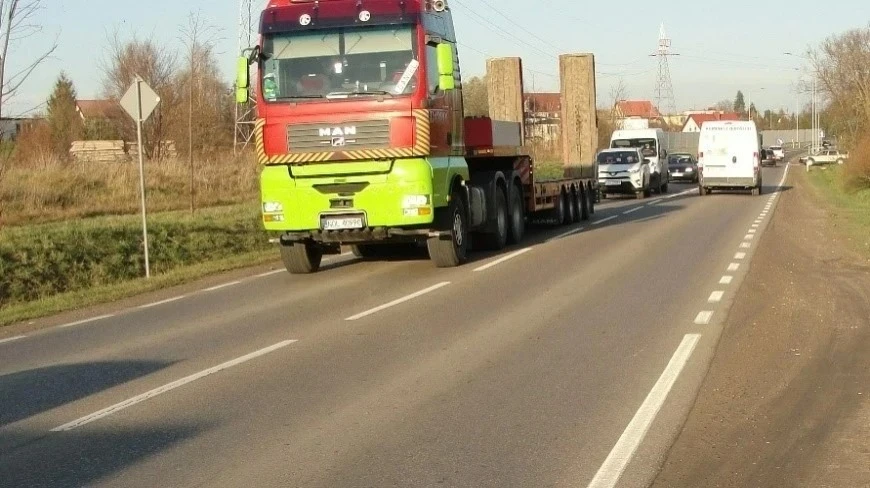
(573, 208)
(301, 258)
(451, 251)
(585, 203)
(498, 240)
(593, 198)
(517, 229)
(558, 211)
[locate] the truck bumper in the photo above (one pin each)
(393, 203)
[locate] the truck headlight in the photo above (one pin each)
(415, 201)
(634, 171)
(272, 207)
(689, 170)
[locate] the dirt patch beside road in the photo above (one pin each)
(787, 399)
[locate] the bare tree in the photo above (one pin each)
(474, 97)
(18, 22)
(724, 106)
(842, 66)
(157, 66)
(199, 38)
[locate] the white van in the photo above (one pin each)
(729, 157)
(652, 144)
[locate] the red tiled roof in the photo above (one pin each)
(638, 108)
(99, 109)
(543, 102)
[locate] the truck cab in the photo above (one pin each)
(359, 124)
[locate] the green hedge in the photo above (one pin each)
(45, 260)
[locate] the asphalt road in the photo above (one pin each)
(570, 361)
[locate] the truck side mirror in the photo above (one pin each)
(446, 69)
(243, 79)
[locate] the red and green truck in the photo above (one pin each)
(363, 142)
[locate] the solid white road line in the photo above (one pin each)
(752, 231)
(654, 202)
(167, 387)
(608, 219)
(716, 297)
(225, 285)
(755, 226)
(397, 301)
(748, 237)
(10, 339)
(733, 266)
(740, 255)
(610, 472)
(85, 321)
(704, 317)
(726, 280)
(269, 273)
(635, 209)
(566, 234)
(162, 302)
(675, 195)
(505, 258)
(745, 245)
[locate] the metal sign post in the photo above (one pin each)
(139, 102)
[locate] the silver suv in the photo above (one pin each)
(623, 171)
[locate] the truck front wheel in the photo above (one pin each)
(451, 250)
(301, 258)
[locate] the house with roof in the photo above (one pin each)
(695, 120)
(543, 116)
(632, 113)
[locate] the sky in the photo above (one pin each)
(723, 46)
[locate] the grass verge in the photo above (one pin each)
(850, 209)
(107, 293)
(52, 267)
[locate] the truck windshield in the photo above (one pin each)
(647, 146)
(622, 157)
(350, 61)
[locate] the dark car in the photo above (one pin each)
(683, 167)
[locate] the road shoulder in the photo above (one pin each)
(787, 399)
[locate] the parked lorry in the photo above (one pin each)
(363, 142)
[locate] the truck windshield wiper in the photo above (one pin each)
(357, 93)
(296, 97)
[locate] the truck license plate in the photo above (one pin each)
(342, 222)
(613, 183)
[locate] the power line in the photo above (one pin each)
(498, 11)
(504, 33)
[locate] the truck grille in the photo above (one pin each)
(367, 134)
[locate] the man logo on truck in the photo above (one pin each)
(337, 131)
(338, 135)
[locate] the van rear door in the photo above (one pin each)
(729, 154)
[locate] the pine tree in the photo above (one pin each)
(740, 103)
(63, 120)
